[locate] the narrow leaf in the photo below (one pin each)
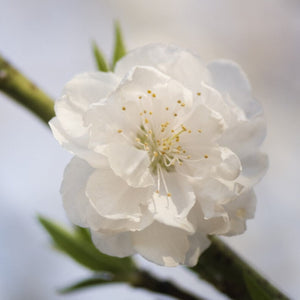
(86, 283)
(83, 251)
(99, 58)
(119, 49)
(255, 290)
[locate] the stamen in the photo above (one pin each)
(120, 131)
(198, 94)
(123, 108)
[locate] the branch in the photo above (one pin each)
(146, 281)
(23, 91)
(228, 273)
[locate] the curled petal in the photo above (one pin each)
(162, 244)
(229, 78)
(175, 62)
(113, 198)
(119, 245)
(72, 189)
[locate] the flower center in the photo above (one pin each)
(164, 151)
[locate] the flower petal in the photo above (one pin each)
(130, 163)
(161, 244)
(239, 210)
(119, 245)
(229, 78)
(115, 203)
(88, 88)
(254, 168)
(72, 189)
(179, 64)
(198, 244)
(245, 136)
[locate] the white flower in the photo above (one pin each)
(165, 153)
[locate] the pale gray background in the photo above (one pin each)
(50, 42)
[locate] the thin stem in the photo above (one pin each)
(145, 280)
(23, 91)
(231, 275)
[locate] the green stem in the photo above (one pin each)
(22, 90)
(231, 275)
(145, 280)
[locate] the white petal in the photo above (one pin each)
(179, 64)
(211, 194)
(198, 244)
(214, 225)
(230, 166)
(130, 163)
(73, 191)
(254, 168)
(219, 162)
(239, 210)
(206, 126)
(245, 136)
(119, 245)
(228, 78)
(161, 244)
(165, 212)
(76, 146)
(87, 88)
(113, 197)
(109, 226)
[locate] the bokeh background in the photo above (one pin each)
(50, 42)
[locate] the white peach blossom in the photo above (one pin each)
(165, 153)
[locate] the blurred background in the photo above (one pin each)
(50, 42)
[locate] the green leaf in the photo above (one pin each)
(95, 280)
(119, 49)
(78, 246)
(255, 290)
(100, 60)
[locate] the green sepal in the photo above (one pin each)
(100, 59)
(119, 49)
(78, 245)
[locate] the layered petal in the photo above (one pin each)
(229, 78)
(179, 64)
(123, 202)
(119, 245)
(162, 244)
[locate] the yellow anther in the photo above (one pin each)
(198, 94)
(172, 130)
(146, 121)
(157, 191)
(150, 131)
(189, 131)
(153, 95)
(123, 108)
(145, 111)
(205, 156)
(175, 115)
(149, 92)
(167, 108)
(182, 104)
(138, 140)
(169, 194)
(183, 128)
(179, 101)
(140, 97)
(183, 151)
(155, 153)
(150, 113)
(188, 157)
(141, 113)
(162, 130)
(199, 130)
(120, 131)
